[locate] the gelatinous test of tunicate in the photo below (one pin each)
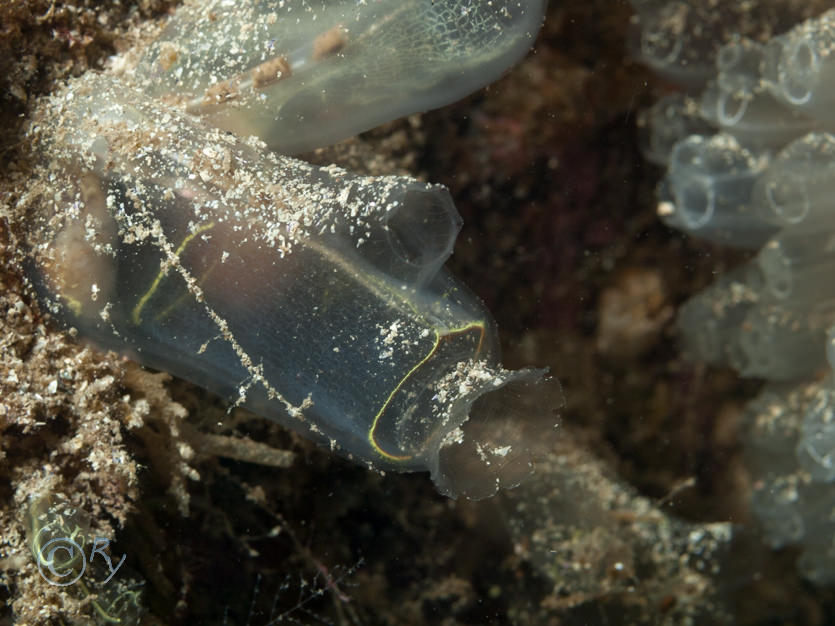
(792, 504)
(779, 342)
(738, 65)
(302, 74)
(816, 445)
(798, 267)
(815, 562)
(816, 448)
(830, 349)
(740, 322)
(754, 118)
(309, 295)
(773, 420)
(740, 104)
(664, 37)
(670, 120)
(799, 67)
(797, 188)
(708, 188)
(709, 322)
(773, 423)
(776, 506)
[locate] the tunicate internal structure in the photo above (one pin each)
(306, 73)
(751, 163)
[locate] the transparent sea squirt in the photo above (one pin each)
(302, 74)
(309, 295)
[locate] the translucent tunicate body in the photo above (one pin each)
(754, 118)
(780, 342)
(676, 38)
(739, 103)
(798, 186)
(302, 74)
(672, 119)
(710, 321)
(816, 445)
(799, 67)
(788, 452)
(797, 267)
(747, 319)
(709, 184)
(310, 295)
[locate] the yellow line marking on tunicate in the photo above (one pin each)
(97, 606)
(136, 314)
(179, 301)
(392, 296)
(372, 433)
(73, 303)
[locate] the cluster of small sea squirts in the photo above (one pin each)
(750, 164)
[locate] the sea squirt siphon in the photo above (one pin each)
(310, 295)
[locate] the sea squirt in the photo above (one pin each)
(310, 295)
(302, 74)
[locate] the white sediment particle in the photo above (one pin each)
(343, 196)
(455, 436)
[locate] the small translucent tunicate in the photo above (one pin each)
(663, 36)
(738, 103)
(304, 74)
(775, 504)
(310, 295)
(773, 424)
(708, 338)
(709, 322)
(799, 184)
(738, 65)
(793, 504)
(782, 343)
(753, 117)
(797, 267)
(799, 67)
(816, 446)
(670, 120)
(709, 184)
